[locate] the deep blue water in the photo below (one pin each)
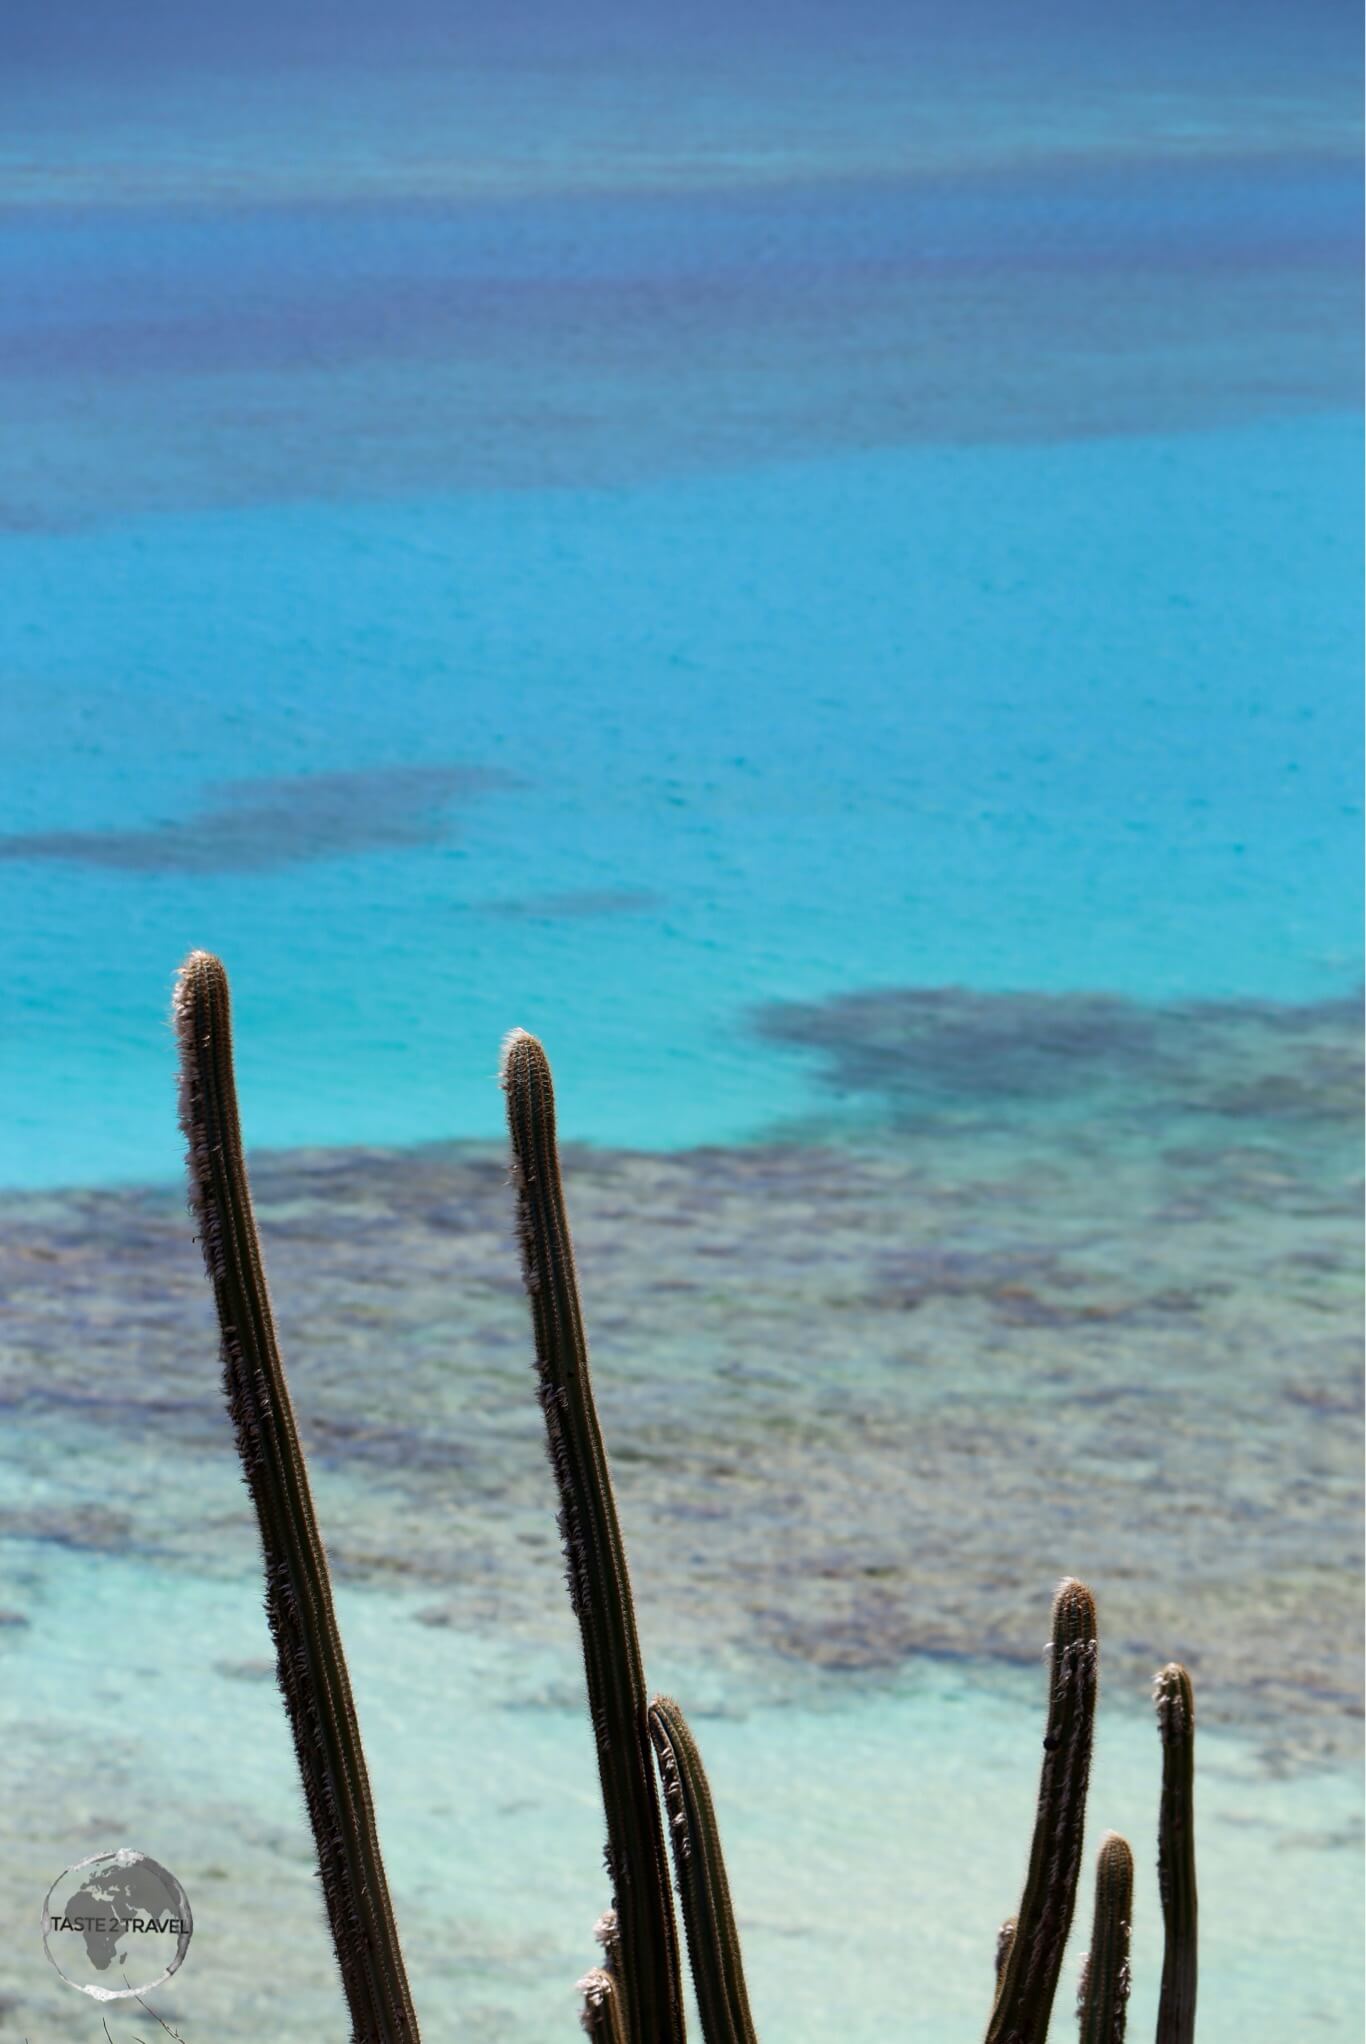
(821, 502)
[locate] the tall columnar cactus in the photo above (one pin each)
(708, 1918)
(634, 1996)
(1175, 1701)
(1103, 1997)
(1029, 1975)
(599, 1583)
(311, 1665)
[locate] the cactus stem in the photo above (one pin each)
(708, 1917)
(1103, 1995)
(648, 1976)
(311, 1664)
(1174, 1697)
(1029, 1975)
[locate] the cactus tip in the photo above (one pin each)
(197, 968)
(517, 1045)
(1174, 1698)
(598, 1993)
(1074, 1607)
(199, 997)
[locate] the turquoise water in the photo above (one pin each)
(814, 561)
(847, 511)
(1050, 717)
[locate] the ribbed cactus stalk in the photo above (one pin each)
(311, 1664)
(713, 1943)
(602, 2011)
(1103, 1996)
(648, 1979)
(1005, 1938)
(1029, 1976)
(1174, 1697)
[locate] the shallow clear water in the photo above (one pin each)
(868, 1392)
(874, 1841)
(813, 561)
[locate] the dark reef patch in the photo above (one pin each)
(257, 825)
(924, 1052)
(864, 1400)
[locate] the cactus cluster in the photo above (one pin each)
(649, 1766)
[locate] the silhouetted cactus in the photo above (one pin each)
(1175, 1701)
(1029, 1977)
(311, 1664)
(708, 1918)
(599, 1583)
(1103, 1995)
(634, 1996)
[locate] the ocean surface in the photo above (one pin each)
(811, 557)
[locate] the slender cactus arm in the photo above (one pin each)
(708, 1917)
(1103, 1994)
(602, 2015)
(1028, 1977)
(1174, 1697)
(311, 1665)
(648, 1980)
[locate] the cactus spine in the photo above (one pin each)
(311, 1664)
(599, 1583)
(1029, 1976)
(1174, 1697)
(1103, 1996)
(708, 1918)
